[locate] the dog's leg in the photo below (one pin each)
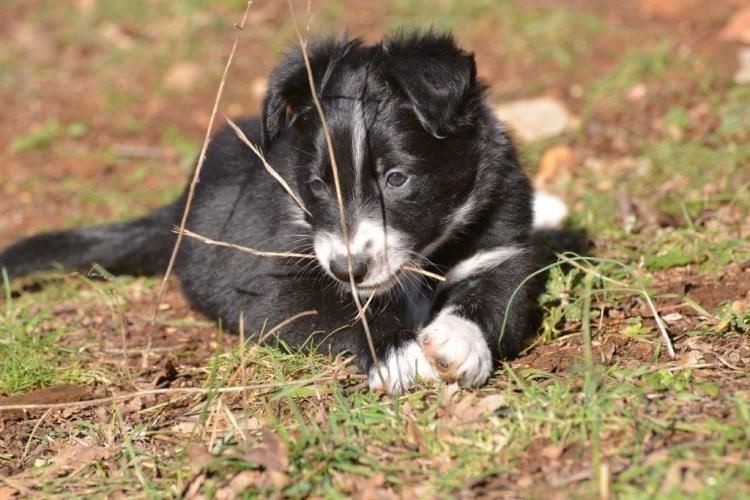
(326, 319)
(469, 325)
(401, 361)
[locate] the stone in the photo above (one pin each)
(534, 119)
(743, 72)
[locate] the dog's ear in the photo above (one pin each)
(289, 88)
(438, 78)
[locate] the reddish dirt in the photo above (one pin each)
(35, 201)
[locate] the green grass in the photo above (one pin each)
(30, 354)
(631, 424)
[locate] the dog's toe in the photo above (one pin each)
(401, 369)
(458, 349)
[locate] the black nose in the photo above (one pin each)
(340, 269)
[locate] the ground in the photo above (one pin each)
(105, 105)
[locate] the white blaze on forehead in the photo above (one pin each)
(482, 261)
(359, 141)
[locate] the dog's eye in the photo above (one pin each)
(396, 179)
(317, 186)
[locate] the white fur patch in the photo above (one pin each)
(297, 216)
(386, 250)
(457, 349)
(482, 261)
(359, 141)
(550, 211)
(401, 369)
(457, 219)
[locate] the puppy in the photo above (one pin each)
(429, 179)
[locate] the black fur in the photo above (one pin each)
(424, 115)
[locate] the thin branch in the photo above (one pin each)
(268, 167)
(31, 436)
(175, 391)
(339, 197)
(251, 251)
(198, 168)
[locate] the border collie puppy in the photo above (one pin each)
(429, 179)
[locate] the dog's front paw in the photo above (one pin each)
(457, 349)
(401, 369)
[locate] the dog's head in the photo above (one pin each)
(402, 118)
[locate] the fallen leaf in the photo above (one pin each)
(556, 162)
(552, 452)
(525, 482)
(490, 403)
(237, 484)
(672, 317)
(737, 28)
(673, 478)
(76, 457)
(8, 493)
(271, 454)
(416, 436)
(191, 491)
(198, 456)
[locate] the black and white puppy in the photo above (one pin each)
(429, 179)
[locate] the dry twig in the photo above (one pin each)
(198, 168)
(175, 391)
(251, 251)
(268, 167)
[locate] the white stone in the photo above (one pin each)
(743, 73)
(534, 119)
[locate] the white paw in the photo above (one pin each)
(457, 349)
(401, 369)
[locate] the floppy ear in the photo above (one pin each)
(289, 88)
(437, 78)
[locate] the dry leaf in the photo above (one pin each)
(237, 484)
(738, 27)
(552, 452)
(489, 404)
(673, 477)
(8, 493)
(416, 437)
(556, 162)
(192, 488)
(198, 456)
(667, 9)
(77, 457)
(271, 454)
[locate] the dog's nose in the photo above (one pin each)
(340, 269)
